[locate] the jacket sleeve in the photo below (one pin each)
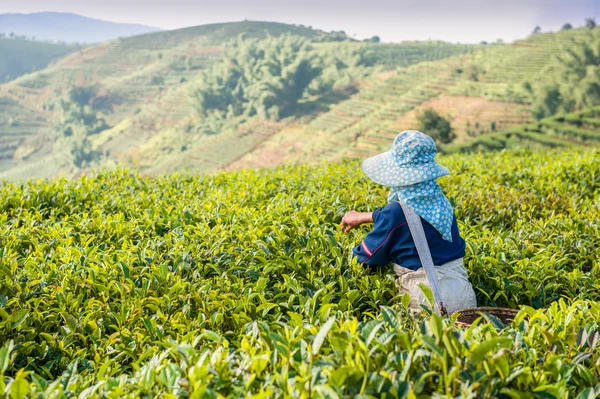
(374, 250)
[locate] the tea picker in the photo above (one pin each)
(416, 231)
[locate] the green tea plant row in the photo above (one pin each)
(495, 72)
(18, 124)
(241, 285)
(405, 54)
(392, 355)
(574, 129)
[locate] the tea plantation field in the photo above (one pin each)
(568, 130)
(241, 285)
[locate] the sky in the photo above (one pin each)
(467, 21)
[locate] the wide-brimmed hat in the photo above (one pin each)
(410, 161)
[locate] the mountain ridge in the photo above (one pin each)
(68, 27)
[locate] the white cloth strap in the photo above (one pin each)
(418, 234)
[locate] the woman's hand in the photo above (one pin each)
(354, 219)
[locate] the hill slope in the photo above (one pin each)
(67, 27)
(144, 84)
(19, 57)
(140, 99)
(570, 130)
(239, 284)
(480, 92)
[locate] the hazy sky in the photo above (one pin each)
(392, 20)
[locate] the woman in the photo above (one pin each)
(410, 171)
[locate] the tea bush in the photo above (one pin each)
(241, 285)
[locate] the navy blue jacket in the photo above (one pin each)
(391, 241)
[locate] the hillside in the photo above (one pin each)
(136, 100)
(19, 57)
(570, 130)
(143, 79)
(145, 84)
(240, 284)
(480, 93)
(67, 27)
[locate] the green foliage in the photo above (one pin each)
(580, 68)
(241, 284)
(268, 78)
(574, 129)
(17, 125)
(82, 118)
(566, 26)
(473, 72)
(547, 102)
(157, 80)
(577, 79)
(409, 53)
(436, 126)
(82, 95)
(265, 78)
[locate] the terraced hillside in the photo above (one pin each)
(17, 132)
(143, 90)
(481, 92)
(145, 84)
(575, 129)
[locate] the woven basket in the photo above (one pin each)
(467, 316)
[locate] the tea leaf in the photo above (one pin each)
(320, 337)
(19, 389)
(5, 353)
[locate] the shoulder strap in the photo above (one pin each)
(416, 230)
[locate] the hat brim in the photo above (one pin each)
(382, 169)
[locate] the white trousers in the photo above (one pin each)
(457, 291)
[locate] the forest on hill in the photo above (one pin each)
(253, 94)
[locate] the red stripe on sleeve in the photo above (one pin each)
(366, 249)
(384, 241)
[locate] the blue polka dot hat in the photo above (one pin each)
(409, 161)
(410, 170)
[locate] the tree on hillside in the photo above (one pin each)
(82, 95)
(578, 73)
(436, 126)
(270, 77)
(590, 23)
(342, 65)
(259, 77)
(536, 31)
(81, 119)
(547, 102)
(472, 72)
(566, 26)
(576, 80)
